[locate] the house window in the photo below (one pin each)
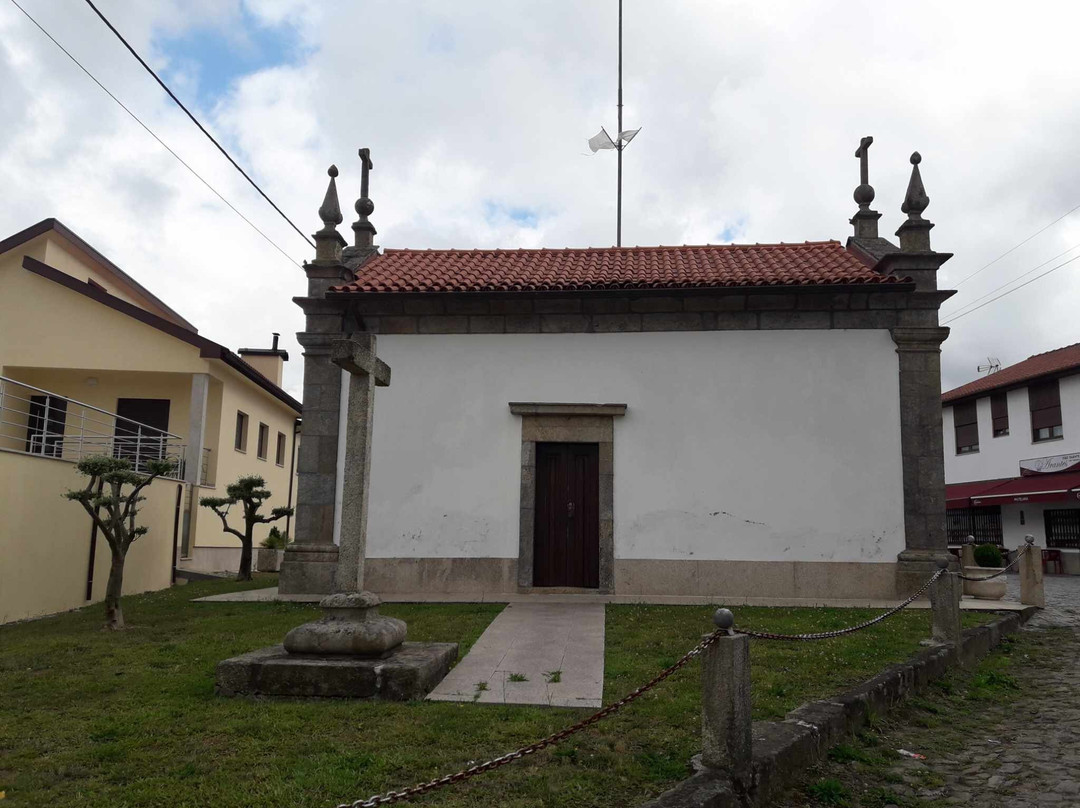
(1045, 403)
(984, 523)
(45, 426)
(279, 457)
(241, 431)
(966, 425)
(999, 414)
(1062, 527)
(264, 441)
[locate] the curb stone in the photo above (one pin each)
(784, 749)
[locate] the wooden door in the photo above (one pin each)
(566, 536)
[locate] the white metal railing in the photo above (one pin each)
(39, 422)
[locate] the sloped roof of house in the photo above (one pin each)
(822, 263)
(55, 225)
(1059, 361)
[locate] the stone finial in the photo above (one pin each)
(915, 232)
(363, 229)
(865, 220)
(916, 200)
(328, 241)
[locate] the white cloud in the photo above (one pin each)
(750, 111)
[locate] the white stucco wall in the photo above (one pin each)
(1000, 457)
(767, 445)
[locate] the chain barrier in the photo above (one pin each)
(825, 635)
(1002, 571)
(495, 763)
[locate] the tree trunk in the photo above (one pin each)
(245, 556)
(114, 615)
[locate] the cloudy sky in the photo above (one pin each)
(477, 115)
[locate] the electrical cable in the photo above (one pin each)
(154, 135)
(195, 120)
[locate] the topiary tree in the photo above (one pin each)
(250, 492)
(988, 555)
(114, 512)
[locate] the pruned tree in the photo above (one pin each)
(114, 512)
(250, 492)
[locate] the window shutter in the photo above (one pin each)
(1045, 402)
(966, 423)
(999, 413)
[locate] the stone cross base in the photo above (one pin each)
(410, 671)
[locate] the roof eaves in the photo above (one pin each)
(207, 348)
(45, 225)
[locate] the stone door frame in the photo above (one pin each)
(567, 423)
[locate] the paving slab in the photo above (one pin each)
(543, 653)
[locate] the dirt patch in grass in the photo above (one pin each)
(131, 719)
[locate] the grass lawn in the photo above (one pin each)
(90, 718)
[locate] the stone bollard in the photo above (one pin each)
(725, 716)
(945, 604)
(1031, 575)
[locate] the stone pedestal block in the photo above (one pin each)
(308, 569)
(410, 671)
(915, 567)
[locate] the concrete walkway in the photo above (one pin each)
(534, 653)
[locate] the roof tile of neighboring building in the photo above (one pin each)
(824, 263)
(1062, 360)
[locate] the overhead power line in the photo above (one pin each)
(971, 303)
(153, 134)
(1015, 288)
(1016, 246)
(195, 120)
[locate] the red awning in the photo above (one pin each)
(958, 495)
(1063, 487)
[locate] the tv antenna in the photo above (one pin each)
(993, 365)
(602, 140)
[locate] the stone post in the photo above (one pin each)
(1031, 575)
(726, 741)
(945, 606)
(967, 552)
(366, 371)
(310, 561)
(918, 339)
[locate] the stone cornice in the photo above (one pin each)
(919, 339)
(539, 408)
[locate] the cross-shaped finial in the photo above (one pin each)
(364, 230)
(366, 166)
(864, 194)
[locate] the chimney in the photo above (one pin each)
(270, 362)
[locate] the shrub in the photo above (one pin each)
(988, 555)
(275, 540)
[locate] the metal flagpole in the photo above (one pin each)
(619, 145)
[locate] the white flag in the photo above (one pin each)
(601, 140)
(626, 135)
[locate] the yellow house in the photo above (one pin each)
(91, 362)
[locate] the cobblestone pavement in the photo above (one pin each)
(1006, 735)
(1062, 600)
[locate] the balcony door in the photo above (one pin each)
(141, 427)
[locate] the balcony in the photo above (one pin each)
(39, 422)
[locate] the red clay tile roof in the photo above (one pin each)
(809, 264)
(1058, 361)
